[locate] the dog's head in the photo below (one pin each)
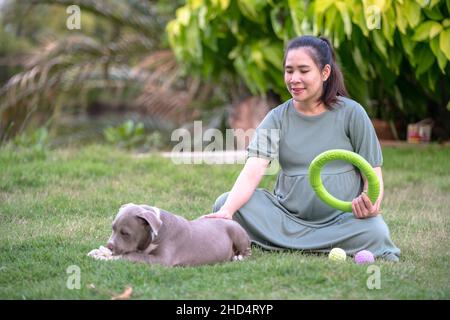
(134, 228)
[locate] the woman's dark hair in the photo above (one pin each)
(322, 54)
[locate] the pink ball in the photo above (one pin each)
(364, 256)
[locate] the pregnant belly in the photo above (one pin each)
(297, 196)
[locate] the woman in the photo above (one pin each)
(319, 117)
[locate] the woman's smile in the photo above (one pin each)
(297, 91)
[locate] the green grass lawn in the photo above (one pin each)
(56, 207)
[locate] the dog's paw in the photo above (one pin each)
(103, 253)
(238, 258)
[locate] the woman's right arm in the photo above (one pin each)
(243, 188)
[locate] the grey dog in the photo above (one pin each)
(148, 234)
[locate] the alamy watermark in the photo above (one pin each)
(73, 22)
(211, 146)
(74, 278)
(373, 14)
(374, 280)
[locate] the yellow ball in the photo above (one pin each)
(337, 254)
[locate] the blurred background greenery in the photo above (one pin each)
(162, 64)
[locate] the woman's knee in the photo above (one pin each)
(220, 201)
(377, 229)
(379, 241)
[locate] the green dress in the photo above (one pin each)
(293, 216)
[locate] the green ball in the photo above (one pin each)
(338, 154)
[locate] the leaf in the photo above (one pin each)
(400, 20)
(258, 57)
(394, 62)
(183, 15)
(444, 42)
(274, 54)
(425, 60)
(434, 13)
(360, 63)
(388, 25)
(251, 9)
(398, 98)
(422, 3)
(296, 10)
(338, 32)
(209, 38)
(435, 30)
(358, 17)
(425, 29)
(330, 20)
(257, 78)
(442, 60)
(379, 43)
(128, 128)
(224, 4)
(412, 11)
(432, 79)
(193, 41)
(276, 25)
(194, 4)
(345, 17)
(173, 29)
(408, 46)
(433, 2)
(125, 295)
(322, 6)
(241, 67)
(202, 17)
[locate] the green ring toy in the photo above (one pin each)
(338, 154)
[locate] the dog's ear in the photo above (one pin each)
(151, 217)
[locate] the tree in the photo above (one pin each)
(394, 54)
(120, 54)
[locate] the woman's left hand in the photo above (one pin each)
(363, 208)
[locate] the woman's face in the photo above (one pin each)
(302, 76)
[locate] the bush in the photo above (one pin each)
(394, 54)
(131, 135)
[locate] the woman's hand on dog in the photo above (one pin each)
(222, 213)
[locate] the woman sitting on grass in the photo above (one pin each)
(319, 117)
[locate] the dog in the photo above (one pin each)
(148, 234)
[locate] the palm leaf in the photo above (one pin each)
(72, 66)
(140, 17)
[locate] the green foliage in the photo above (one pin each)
(36, 140)
(118, 57)
(131, 135)
(32, 144)
(387, 48)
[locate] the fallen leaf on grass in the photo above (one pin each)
(124, 295)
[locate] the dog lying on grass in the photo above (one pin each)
(147, 234)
